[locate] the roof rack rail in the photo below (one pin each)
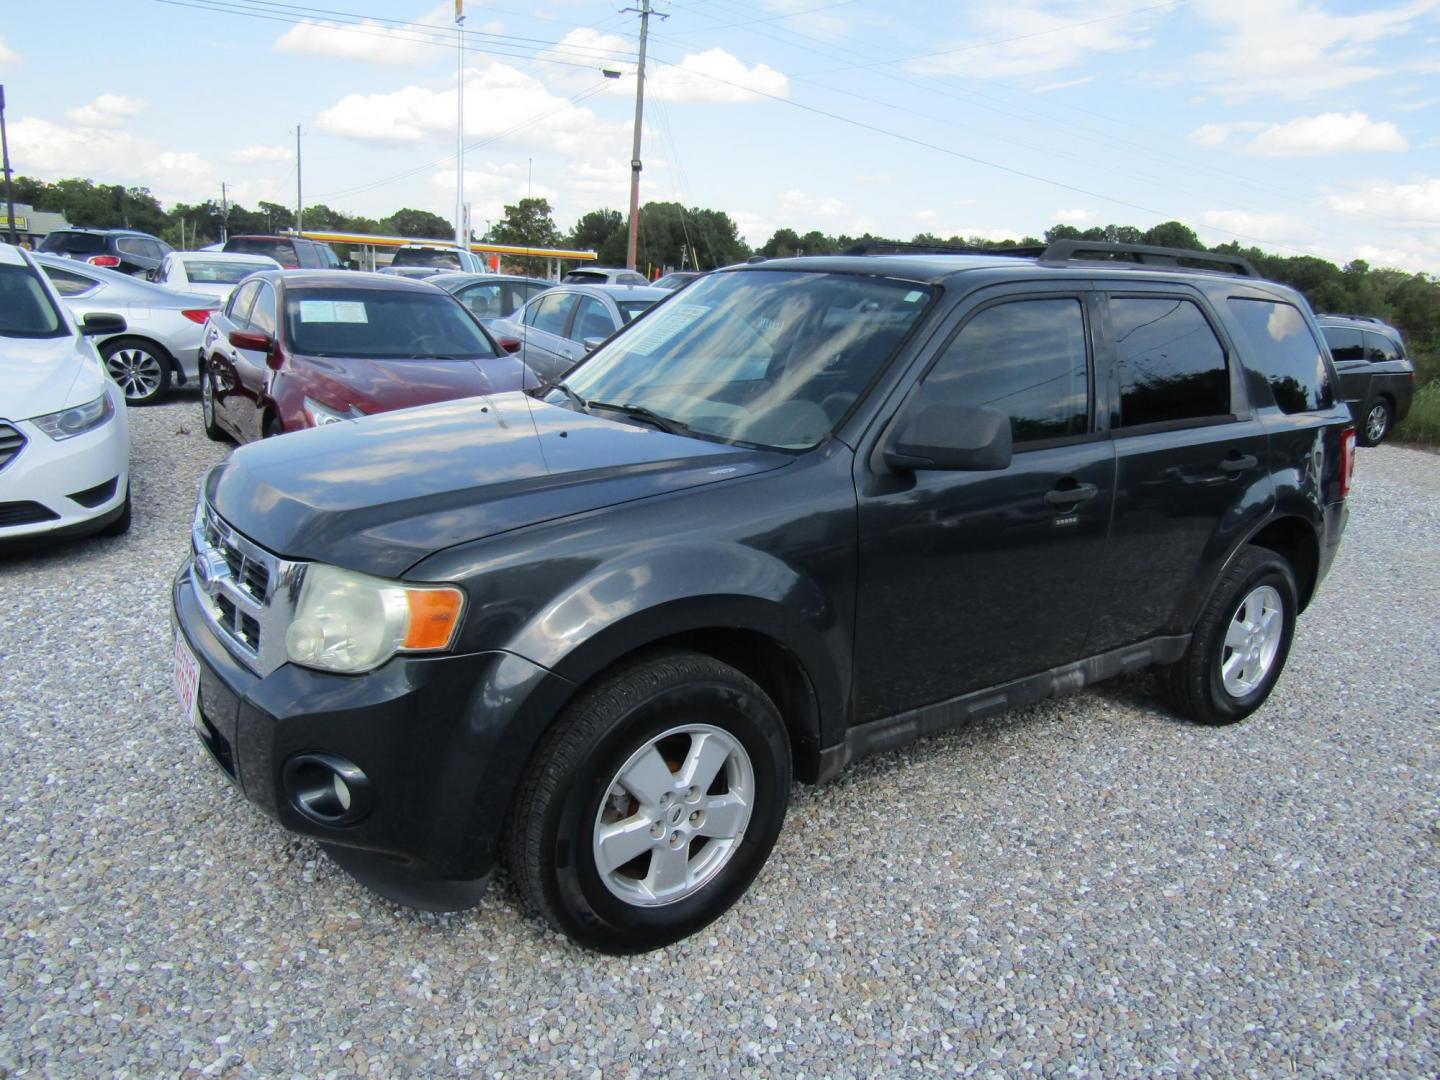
(1346, 315)
(1065, 251)
(901, 247)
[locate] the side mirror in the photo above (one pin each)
(98, 324)
(254, 341)
(509, 344)
(957, 437)
(590, 344)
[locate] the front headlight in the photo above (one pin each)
(320, 415)
(67, 423)
(352, 622)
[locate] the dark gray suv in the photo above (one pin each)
(125, 250)
(1377, 378)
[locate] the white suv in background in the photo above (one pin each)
(64, 442)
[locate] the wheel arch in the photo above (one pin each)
(1294, 539)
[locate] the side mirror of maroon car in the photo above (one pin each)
(254, 341)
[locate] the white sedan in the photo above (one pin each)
(64, 440)
(213, 272)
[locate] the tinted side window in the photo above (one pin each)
(483, 300)
(1281, 348)
(553, 313)
(68, 284)
(592, 320)
(263, 316)
(1171, 365)
(1378, 348)
(74, 243)
(1026, 358)
(238, 309)
(1345, 344)
(129, 245)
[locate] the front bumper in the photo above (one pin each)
(441, 740)
(38, 487)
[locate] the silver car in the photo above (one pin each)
(556, 329)
(161, 343)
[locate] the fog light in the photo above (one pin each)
(327, 789)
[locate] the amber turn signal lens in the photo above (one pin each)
(434, 617)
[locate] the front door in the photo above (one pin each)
(972, 579)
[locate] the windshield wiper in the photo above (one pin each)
(640, 412)
(564, 388)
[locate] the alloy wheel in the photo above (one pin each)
(138, 371)
(1377, 422)
(1252, 641)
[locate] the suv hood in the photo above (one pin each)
(380, 493)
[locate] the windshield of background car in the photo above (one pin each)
(630, 308)
(279, 249)
(64, 243)
(766, 357)
(221, 272)
(381, 324)
(26, 310)
(446, 260)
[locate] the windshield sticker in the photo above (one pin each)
(658, 329)
(913, 295)
(333, 311)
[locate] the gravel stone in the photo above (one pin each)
(1087, 887)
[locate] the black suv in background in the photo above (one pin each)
(1377, 378)
(291, 252)
(807, 511)
(125, 250)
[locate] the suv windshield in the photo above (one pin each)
(26, 309)
(74, 243)
(221, 272)
(277, 247)
(381, 324)
(767, 357)
(447, 260)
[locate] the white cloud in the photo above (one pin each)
(1064, 84)
(1422, 259)
(809, 207)
(716, 76)
(256, 154)
(1210, 134)
(105, 110)
(1292, 49)
(1328, 133)
(8, 57)
(373, 42)
(1029, 37)
(1076, 216)
(1399, 204)
(1271, 228)
(46, 149)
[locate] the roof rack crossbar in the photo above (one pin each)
(1065, 251)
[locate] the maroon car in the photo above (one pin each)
(296, 349)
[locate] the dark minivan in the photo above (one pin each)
(807, 511)
(1377, 378)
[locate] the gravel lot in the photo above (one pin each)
(1087, 885)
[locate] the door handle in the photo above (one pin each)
(1071, 496)
(1239, 463)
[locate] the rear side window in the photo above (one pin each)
(592, 320)
(1026, 358)
(1281, 348)
(238, 309)
(1379, 348)
(1345, 343)
(67, 243)
(263, 316)
(67, 283)
(1171, 365)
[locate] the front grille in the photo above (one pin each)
(25, 513)
(12, 441)
(247, 593)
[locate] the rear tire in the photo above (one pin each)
(1240, 643)
(141, 368)
(650, 806)
(1379, 418)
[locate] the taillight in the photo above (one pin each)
(509, 344)
(104, 260)
(197, 315)
(1347, 461)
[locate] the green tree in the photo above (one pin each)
(596, 228)
(1174, 235)
(421, 224)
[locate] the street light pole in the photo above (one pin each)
(462, 238)
(9, 194)
(630, 247)
(299, 201)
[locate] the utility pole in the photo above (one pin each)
(224, 215)
(645, 13)
(9, 194)
(299, 202)
(462, 236)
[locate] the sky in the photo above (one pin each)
(1303, 127)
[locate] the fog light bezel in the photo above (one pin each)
(309, 781)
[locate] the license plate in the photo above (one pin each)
(187, 679)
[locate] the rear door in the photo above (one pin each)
(1347, 347)
(547, 350)
(1190, 457)
(972, 579)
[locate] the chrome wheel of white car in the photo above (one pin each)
(143, 374)
(673, 815)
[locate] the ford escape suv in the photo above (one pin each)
(805, 511)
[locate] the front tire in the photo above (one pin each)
(1240, 643)
(140, 367)
(207, 405)
(1379, 418)
(650, 806)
